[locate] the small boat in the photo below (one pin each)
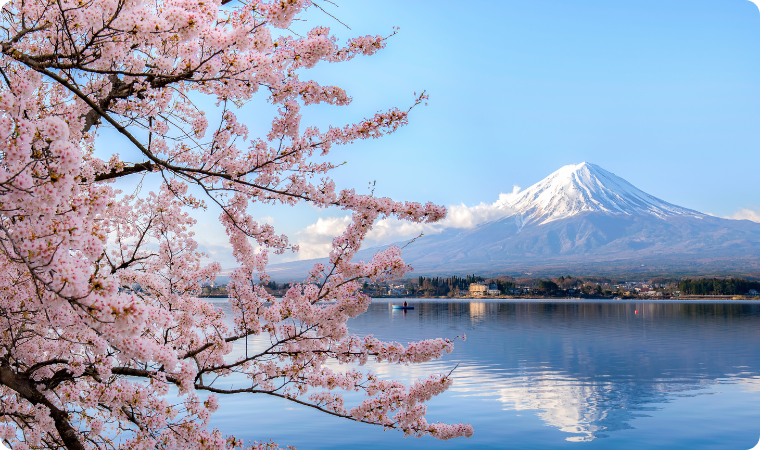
(402, 307)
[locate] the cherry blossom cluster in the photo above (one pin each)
(105, 343)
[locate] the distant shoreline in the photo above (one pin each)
(675, 299)
(691, 297)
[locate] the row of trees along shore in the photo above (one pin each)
(438, 286)
(717, 286)
(456, 286)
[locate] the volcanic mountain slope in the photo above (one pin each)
(585, 218)
(582, 188)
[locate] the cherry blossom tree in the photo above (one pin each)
(104, 341)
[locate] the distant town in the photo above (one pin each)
(473, 286)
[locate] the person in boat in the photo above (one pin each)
(406, 304)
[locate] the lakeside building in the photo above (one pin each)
(478, 289)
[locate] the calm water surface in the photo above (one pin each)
(552, 374)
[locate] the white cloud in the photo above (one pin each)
(752, 214)
(315, 241)
(462, 216)
(756, 2)
(392, 230)
(459, 216)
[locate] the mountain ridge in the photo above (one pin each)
(583, 216)
(586, 187)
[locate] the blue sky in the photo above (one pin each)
(664, 93)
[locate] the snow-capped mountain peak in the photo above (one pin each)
(585, 187)
(610, 228)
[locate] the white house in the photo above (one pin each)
(478, 289)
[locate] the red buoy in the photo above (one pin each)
(637, 311)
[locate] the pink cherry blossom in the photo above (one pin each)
(101, 324)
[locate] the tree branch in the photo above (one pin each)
(25, 388)
(117, 173)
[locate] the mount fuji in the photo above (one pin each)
(583, 219)
(581, 188)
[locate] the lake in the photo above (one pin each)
(545, 374)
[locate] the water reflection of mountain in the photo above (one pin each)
(587, 368)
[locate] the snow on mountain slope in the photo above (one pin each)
(585, 187)
(581, 219)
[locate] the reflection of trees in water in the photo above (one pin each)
(587, 368)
